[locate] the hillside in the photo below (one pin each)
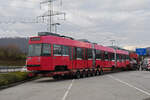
(21, 43)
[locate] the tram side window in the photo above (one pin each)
(124, 57)
(127, 57)
(106, 56)
(85, 54)
(89, 53)
(109, 56)
(118, 57)
(79, 53)
(46, 50)
(65, 50)
(57, 51)
(102, 55)
(112, 56)
(121, 58)
(74, 53)
(70, 53)
(98, 54)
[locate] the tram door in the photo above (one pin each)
(73, 58)
(93, 57)
(85, 58)
(90, 58)
(79, 58)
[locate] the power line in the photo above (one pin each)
(13, 20)
(11, 6)
(27, 1)
(14, 6)
(24, 2)
(47, 17)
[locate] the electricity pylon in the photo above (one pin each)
(49, 15)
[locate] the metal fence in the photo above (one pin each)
(5, 69)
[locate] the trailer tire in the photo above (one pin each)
(97, 73)
(88, 73)
(77, 75)
(83, 74)
(93, 73)
(113, 69)
(57, 77)
(101, 71)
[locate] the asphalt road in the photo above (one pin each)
(132, 85)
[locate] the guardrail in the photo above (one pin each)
(6, 69)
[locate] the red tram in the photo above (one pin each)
(54, 55)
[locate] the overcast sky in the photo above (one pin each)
(126, 21)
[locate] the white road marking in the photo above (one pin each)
(132, 86)
(66, 93)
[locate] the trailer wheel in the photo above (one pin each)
(88, 73)
(77, 75)
(101, 71)
(97, 73)
(93, 73)
(57, 77)
(113, 68)
(83, 74)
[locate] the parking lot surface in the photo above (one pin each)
(129, 85)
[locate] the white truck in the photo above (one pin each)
(145, 64)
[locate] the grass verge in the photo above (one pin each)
(12, 77)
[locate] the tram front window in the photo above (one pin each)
(39, 50)
(35, 50)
